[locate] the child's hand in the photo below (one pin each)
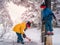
(29, 39)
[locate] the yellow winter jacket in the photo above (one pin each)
(19, 28)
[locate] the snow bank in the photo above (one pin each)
(10, 36)
(1, 30)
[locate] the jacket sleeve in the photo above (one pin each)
(51, 13)
(54, 17)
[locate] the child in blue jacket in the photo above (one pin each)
(47, 17)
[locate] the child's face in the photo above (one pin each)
(42, 8)
(28, 26)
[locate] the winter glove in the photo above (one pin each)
(24, 36)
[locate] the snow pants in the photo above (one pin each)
(20, 39)
(48, 25)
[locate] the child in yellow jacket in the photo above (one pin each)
(19, 29)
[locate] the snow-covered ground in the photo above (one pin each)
(56, 37)
(34, 34)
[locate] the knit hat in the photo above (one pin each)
(28, 24)
(43, 5)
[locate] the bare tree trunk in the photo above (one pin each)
(48, 3)
(54, 5)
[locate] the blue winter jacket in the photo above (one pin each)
(47, 14)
